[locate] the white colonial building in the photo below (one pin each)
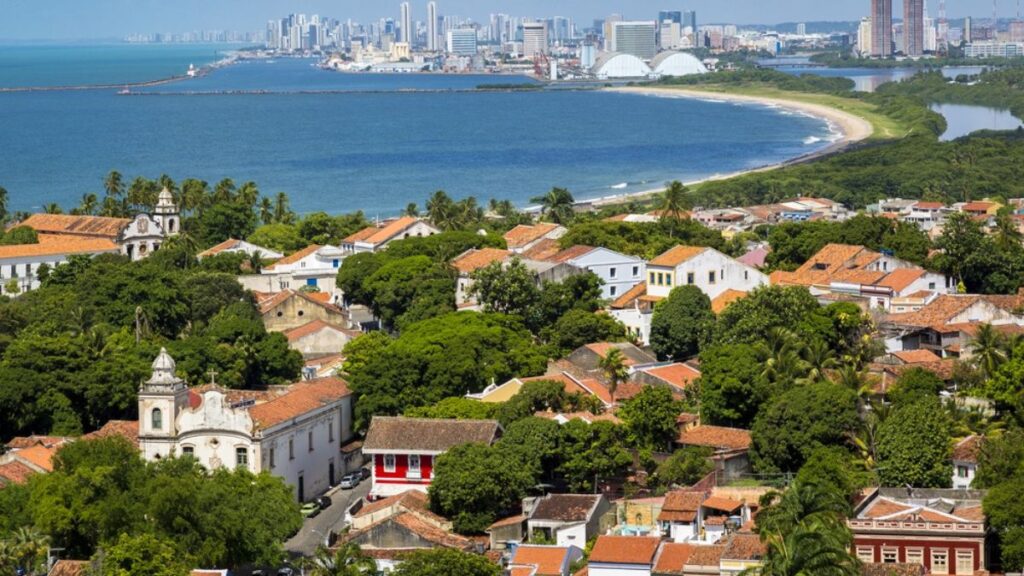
(146, 232)
(314, 267)
(294, 432)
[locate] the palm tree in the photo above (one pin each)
(556, 205)
(614, 366)
(819, 358)
(469, 212)
(412, 210)
(1008, 236)
(52, 208)
(346, 560)
(852, 378)
(248, 194)
(224, 191)
(194, 195)
(673, 205)
(88, 204)
(255, 262)
(29, 546)
(988, 352)
(4, 198)
(441, 211)
(282, 212)
(113, 184)
(266, 211)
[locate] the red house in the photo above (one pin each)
(943, 530)
(403, 449)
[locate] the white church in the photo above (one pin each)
(295, 432)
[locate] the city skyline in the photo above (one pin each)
(84, 19)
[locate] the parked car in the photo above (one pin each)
(364, 472)
(286, 571)
(324, 502)
(310, 509)
(350, 481)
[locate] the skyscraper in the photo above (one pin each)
(432, 26)
(913, 27)
(881, 28)
(636, 38)
(671, 15)
(535, 38)
(406, 24)
(690, 21)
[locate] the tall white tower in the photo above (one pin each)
(432, 27)
(167, 214)
(161, 399)
(406, 24)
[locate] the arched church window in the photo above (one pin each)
(158, 419)
(170, 225)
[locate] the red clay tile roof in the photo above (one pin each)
(722, 504)
(314, 327)
(39, 456)
(14, 472)
(678, 375)
(967, 449)
(543, 249)
(717, 437)
(928, 205)
(744, 547)
(67, 224)
(70, 568)
(978, 206)
(565, 507)
(883, 507)
(59, 244)
(676, 256)
(937, 313)
(522, 570)
(397, 434)
(706, 556)
(970, 513)
(294, 257)
(272, 301)
(431, 532)
(378, 235)
(629, 296)
(225, 245)
(410, 500)
(681, 506)
(473, 260)
(522, 235)
(510, 521)
(672, 558)
(624, 550)
(755, 258)
(916, 356)
(127, 429)
(720, 303)
(899, 279)
(549, 560)
(570, 253)
(301, 398)
(19, 442)
(631, 355)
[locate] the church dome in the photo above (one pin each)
(163, 370)
(165, 198)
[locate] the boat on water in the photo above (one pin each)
(124, 92)
(192, 71)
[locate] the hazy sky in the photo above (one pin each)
(43, 19)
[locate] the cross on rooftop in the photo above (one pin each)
(213, 376)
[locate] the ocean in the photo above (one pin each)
(373, 142)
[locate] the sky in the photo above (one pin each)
(71, 19)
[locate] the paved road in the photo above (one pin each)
(315, 530)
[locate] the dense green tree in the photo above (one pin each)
(1005, 515)
(592, 452)
(915, 384)
(580, 292)
(345, 560)
(686, 467)
(682, 324)
(751, 319)
(542, 396)
(142, 555)
(579, 327)
(457, 408)
(914, 446)
(475, 484)
(1000, 458)
(506, 289)
(284, 238)
(833, 469)
(363, 349)
(224, 220)
(536, 441)
(446, 562)
(798, 422)
(19, 235)
(644, 240)
(319, 228)
(556, 205)
(650, 418)
(411, 289)
(732, 388)
(613, 367)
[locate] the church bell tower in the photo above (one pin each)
(161, 399)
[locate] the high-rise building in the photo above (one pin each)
(913, 27)
(671, 15)
(968, 35)
(690, 21)
(864, 37)
(405, 33)
(609, 22)
(462, 42)
(801, 29)
(636, 38)
(881, 28)
(432, 26)
(535, 39)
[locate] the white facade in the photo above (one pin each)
(677, 64)
(301, 448)
(146, 233)
(21, 263)
(313, 268)
(711, 271)
(963, 474)
(619, 272)
(618, 65)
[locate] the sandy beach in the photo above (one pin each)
(849, 128)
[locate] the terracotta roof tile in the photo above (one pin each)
(321, 299)
(755, 258)
(15, 472)
(518, 519)
(716, 437)
(676, 256)
(127, 429)
(899, 279)
(92, 226)
(433, 533)
(722, 504)
(883, 507)
(392, 433)
(928, 205)
(967, 450)
(624, 550)
(916, 356)
(301, 398)
(294, 257)
(410, 501)
(549, 560)
(570, 254)
(38, 456)
(522, 570)
(565, 507)
(681, 506)
(19, 442)
(59, 244)
(706, 556)
(937, 313)
(379, 235)
(474, 260)
(522, 235)
(228, 244)
(314, 327)
(744, 547)
(672, 558)
(543, 249)
(70, 568)
(978, 206)
(720, 303)
(678, 375)
(970, 513)
(857, 276)
(629, 296)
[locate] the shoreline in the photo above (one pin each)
(851, 129)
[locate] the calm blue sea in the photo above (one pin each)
(377, 147)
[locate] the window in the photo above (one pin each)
(746, 274)
(961, 471)
(866, 554)
(336, 263)
(242, 457)
(965, 562)
(661, 279)
(158, 419)
(711, 277)
(612, 290)
(940, 562)
(291, 449)
(310, 441)
(890, 555)
(330, 431)
(612, 272)
(272, 460)
(668, 279)
(689, 277)
(636, 271)
(414, 463)
(915, 555)
(389, 462)
(931, 285)
(188, 451)
(651, 278)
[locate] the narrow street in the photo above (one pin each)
(315, 530)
